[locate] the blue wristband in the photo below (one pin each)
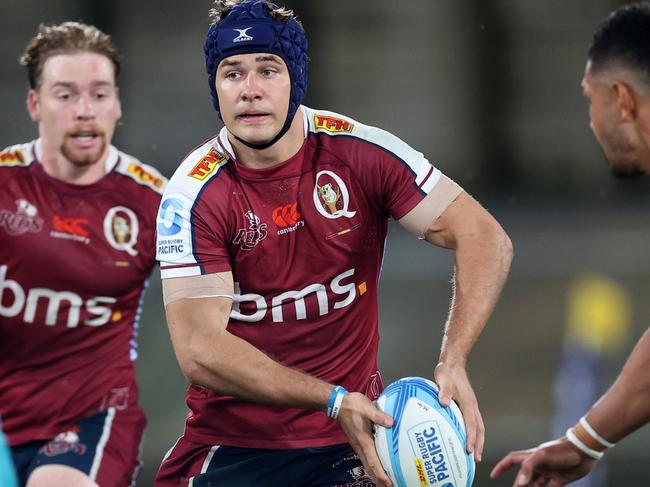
(335, 400)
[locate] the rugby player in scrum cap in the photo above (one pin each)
(270, 239)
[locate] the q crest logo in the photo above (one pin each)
(121, 229)
(172, 224)
(331, 197)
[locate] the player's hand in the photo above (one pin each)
(356, 418)
(454, 384)
(554, 463)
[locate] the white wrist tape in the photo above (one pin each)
(594, 435)
(596, 455)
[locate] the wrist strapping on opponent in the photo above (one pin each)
(586, 439)
(584, 426)
(335, 401)
(577, 442)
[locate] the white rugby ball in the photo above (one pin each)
(426, 445)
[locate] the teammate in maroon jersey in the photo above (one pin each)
(77, 226)
(270, 238)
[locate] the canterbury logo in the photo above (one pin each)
(243, 35)
(73, 226)
(283, 216)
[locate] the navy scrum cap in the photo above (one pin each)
(249, 28)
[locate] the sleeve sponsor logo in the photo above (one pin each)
(332, 124)
(170, 221)
(141, 174)
(14, 157)
(173, 228)
(121, 229)
(331, 196)
(207, 165)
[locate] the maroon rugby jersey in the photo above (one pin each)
(304, 240)
(74, 262)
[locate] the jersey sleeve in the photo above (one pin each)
(394, 176)
(398, 176)
(191, 231)
(13, 158)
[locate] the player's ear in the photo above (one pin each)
(34, 105)
(625, 100)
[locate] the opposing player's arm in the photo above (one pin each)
(625, 407)
(483, 254)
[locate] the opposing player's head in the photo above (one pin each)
(72, 70)
(617, 85)
(256, 59)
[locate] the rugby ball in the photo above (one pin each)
(426, 445)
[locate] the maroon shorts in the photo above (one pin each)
(105, 446)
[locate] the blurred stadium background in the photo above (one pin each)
(490, 92)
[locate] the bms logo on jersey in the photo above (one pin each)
(31, 301)
(173, 225)
(253, 307)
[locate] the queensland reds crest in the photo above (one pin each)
(25, 219)
(249, 237)
(121, 229)
(331, 196)
(64, 443)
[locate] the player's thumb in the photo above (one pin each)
(445, 393)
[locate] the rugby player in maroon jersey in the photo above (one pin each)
(77, 230)
(270, 238)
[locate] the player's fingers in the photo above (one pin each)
(512, 458)
(444, 382)
(379, 417)
(474, 428)
(446, 393)
(372, 464)
(470, 429)
(480, 436)
(527, 472)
